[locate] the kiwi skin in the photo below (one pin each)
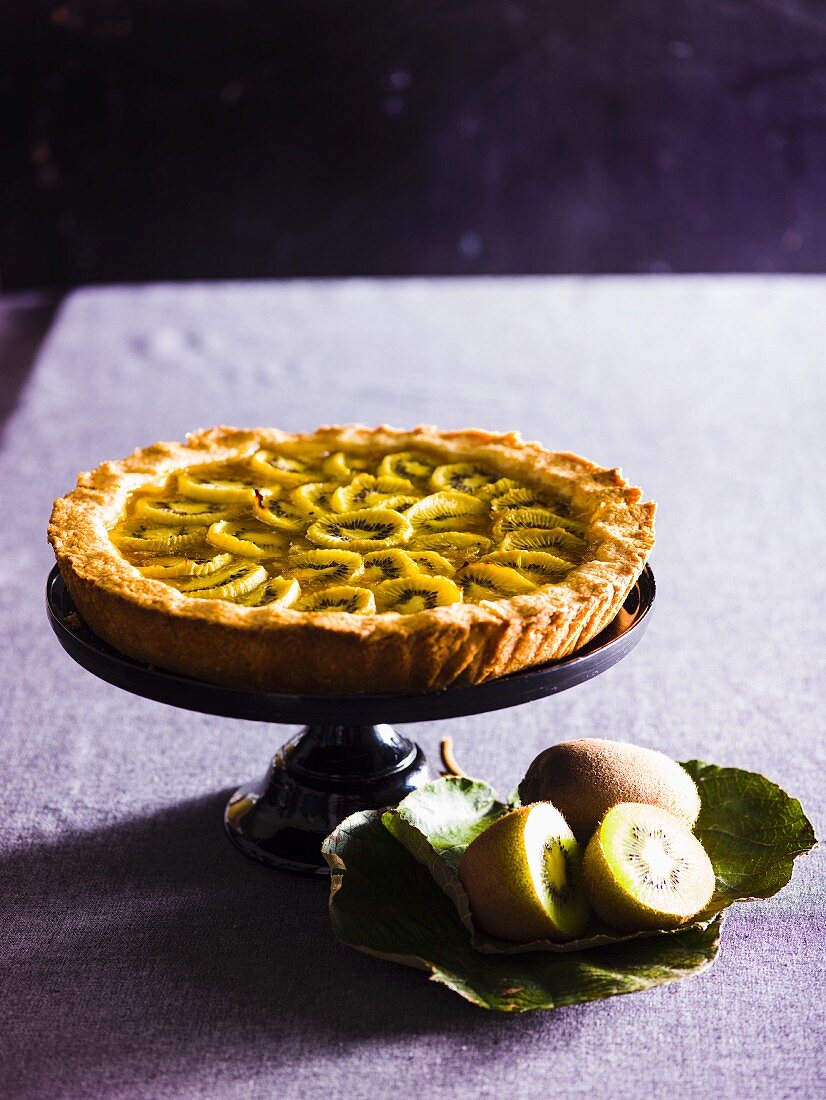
(616, 903)
(585, 778)
(495, 872)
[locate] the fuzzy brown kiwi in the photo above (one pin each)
(585, 778)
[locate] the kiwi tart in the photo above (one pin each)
(350, 559)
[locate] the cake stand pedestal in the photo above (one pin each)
(347, 757)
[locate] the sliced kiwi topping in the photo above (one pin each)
(428, 561)
(463, 477)
(488, 581)
(364, 529)
(285, 469)
(515, 497)
(269, 507)
(459, 545)
(249, 540)
(233, 580)
(181, 566)
(387, 565)
(407, 464)
(355, 601)
(283, 591)
(313, 497)
(143, 538)
(323, 525)
(496, 489)
(366, 491)
(447, 511)
(519, 519)
(537, 566)
(411, 594)
(324, 565)
(556, 539)
(180, 511)
(223, 490)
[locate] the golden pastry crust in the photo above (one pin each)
(277, 649)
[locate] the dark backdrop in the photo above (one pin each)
(222, 138)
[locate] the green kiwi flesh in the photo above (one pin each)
(523, 877)
(585, 778)
(644, 868)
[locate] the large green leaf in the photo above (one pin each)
(398, 896)
(385, 903)
(751, 829)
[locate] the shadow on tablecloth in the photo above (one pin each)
(25, 320)
(150, 947)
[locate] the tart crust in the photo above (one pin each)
(276, 649)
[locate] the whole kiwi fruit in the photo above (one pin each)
(585, 778)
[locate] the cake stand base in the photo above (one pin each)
(315, 780)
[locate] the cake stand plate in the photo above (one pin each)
(347, 757)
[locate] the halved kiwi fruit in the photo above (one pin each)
(644, 868)
(523, 877)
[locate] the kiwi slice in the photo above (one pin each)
(523, 877)
(644, 868)
(366, 491)
(493, 582)
(325, 565)
(363, 529)
(464, 477)
(447, 511)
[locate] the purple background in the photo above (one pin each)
(163, 139)
(142, 956)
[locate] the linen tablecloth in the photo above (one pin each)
(142, 956)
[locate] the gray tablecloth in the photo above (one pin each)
(142, 956)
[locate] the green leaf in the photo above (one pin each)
(385, 903)
(752, 831)
(395, 892)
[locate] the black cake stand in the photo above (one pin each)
(347, 757)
